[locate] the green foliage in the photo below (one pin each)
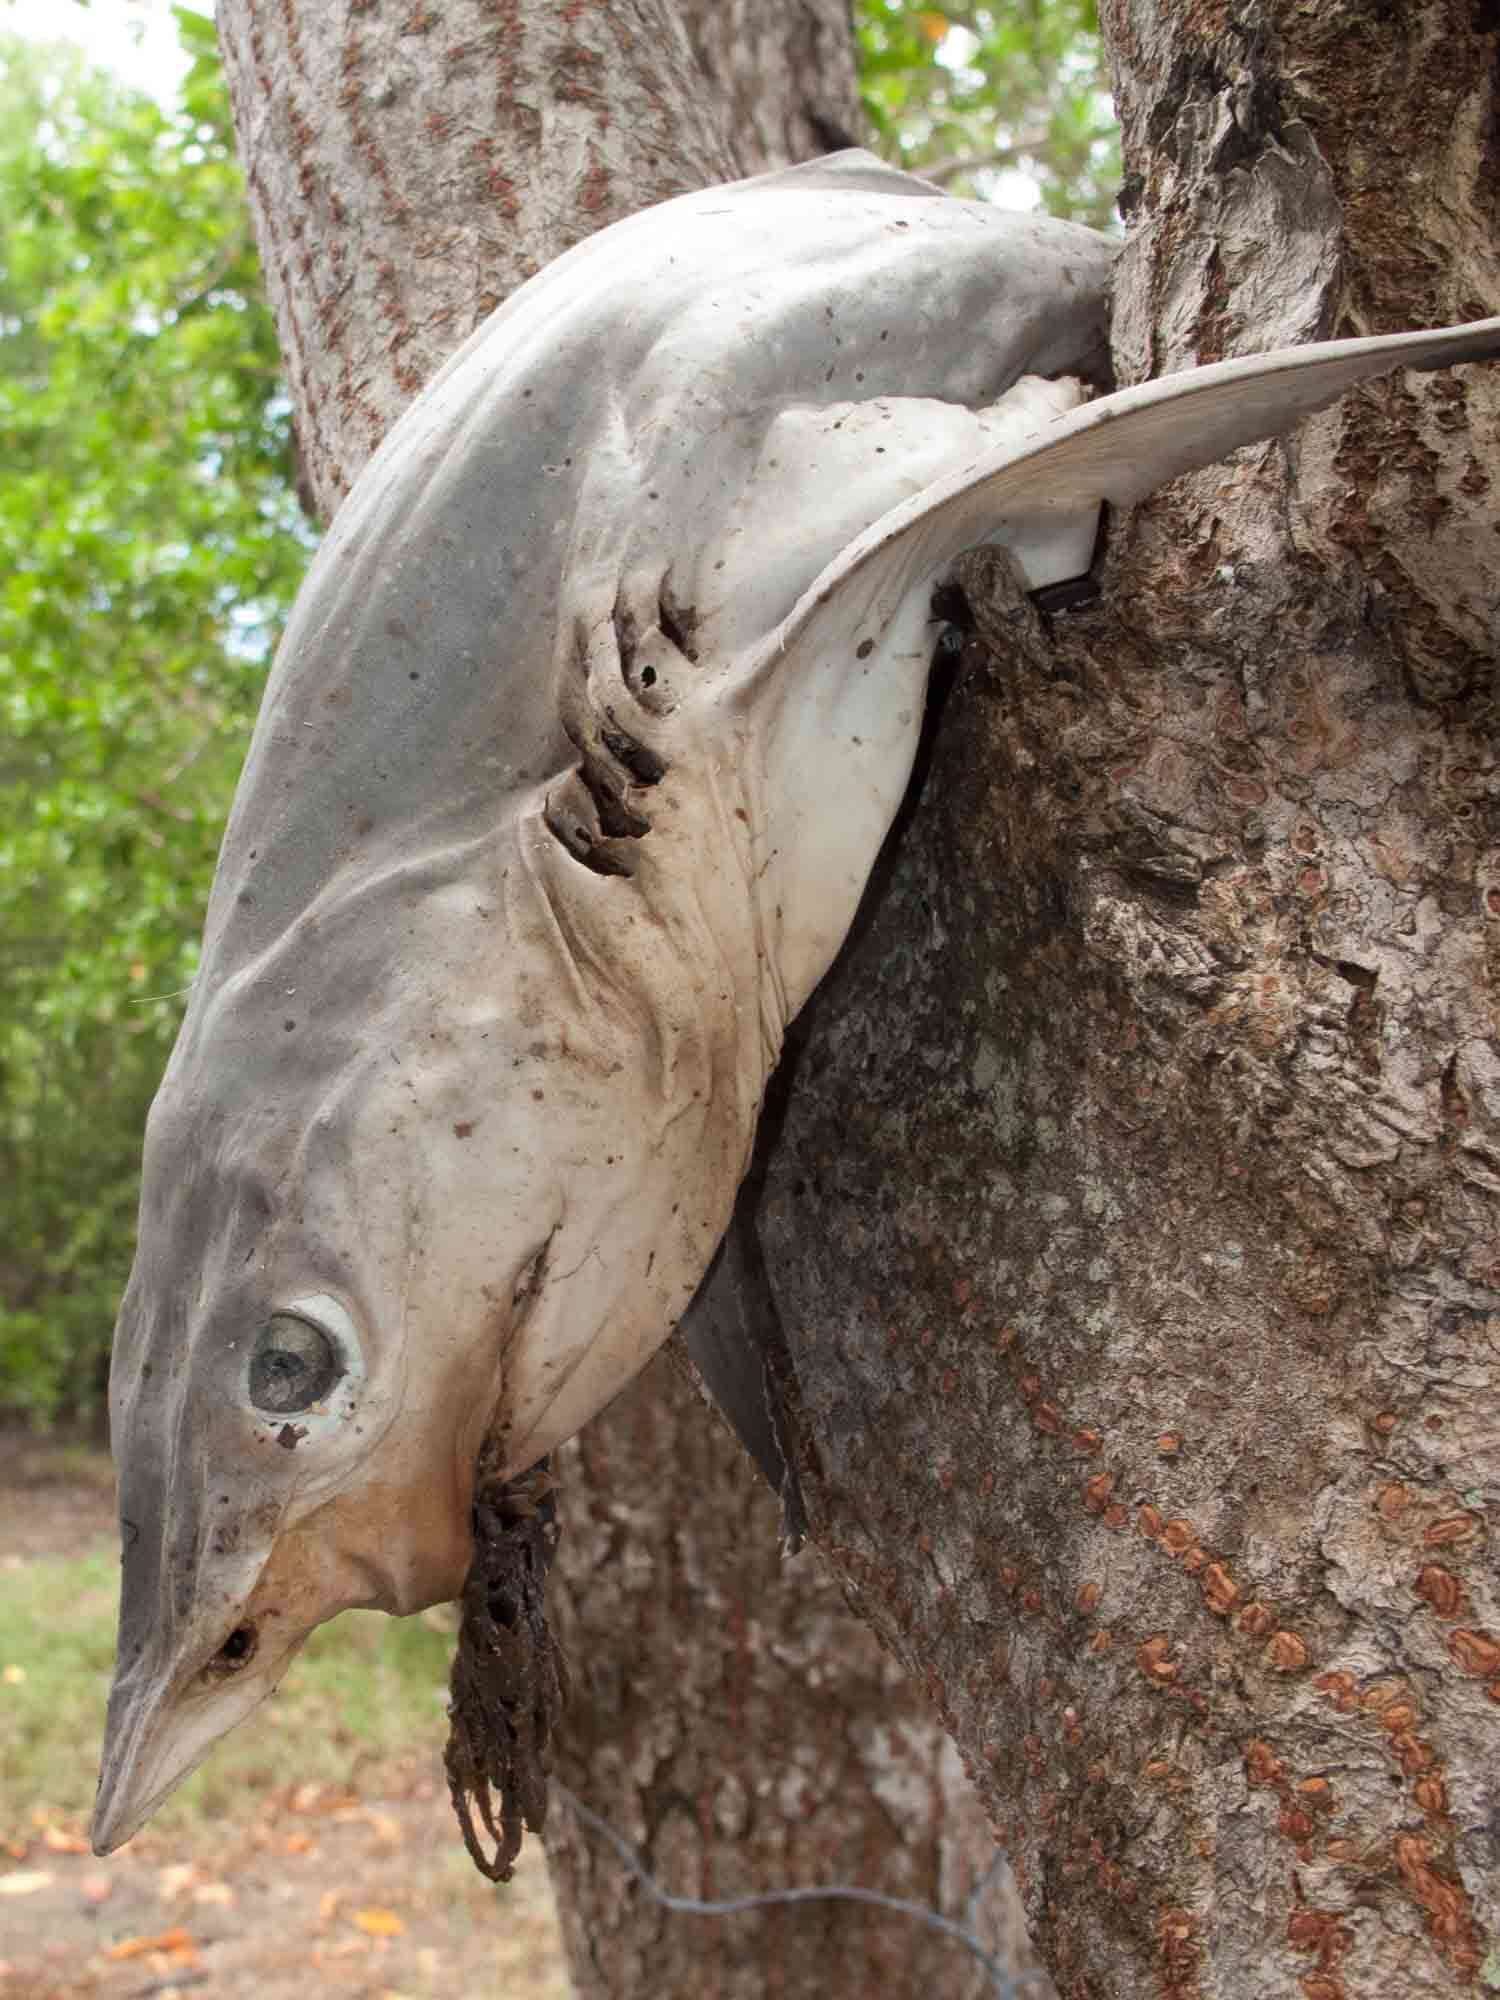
(149, 546)
(967, 93)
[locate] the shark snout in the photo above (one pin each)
(163, 1719)
(194, 1656)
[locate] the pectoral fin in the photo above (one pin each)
(731, 1332)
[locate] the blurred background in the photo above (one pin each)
(151, 542)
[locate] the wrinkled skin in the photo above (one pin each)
(593, 712)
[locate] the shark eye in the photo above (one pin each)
(293, 1365)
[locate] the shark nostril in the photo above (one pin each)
(237, 1651)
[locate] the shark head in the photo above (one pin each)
(392, 1204)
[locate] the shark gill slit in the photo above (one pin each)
(591, 811)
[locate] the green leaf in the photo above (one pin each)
(1016, 87)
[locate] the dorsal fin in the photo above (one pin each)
(844, 172)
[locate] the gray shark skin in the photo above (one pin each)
(595, 707)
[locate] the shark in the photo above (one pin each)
(590, 719)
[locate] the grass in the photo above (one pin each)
(365, 1690)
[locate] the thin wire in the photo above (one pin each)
(996, 1867)
(1006, 1987)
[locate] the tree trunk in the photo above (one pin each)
(1132, 1210)
(408, 166)
(743, 1731)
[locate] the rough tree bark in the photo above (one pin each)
(408, 166)
(1133, 1209)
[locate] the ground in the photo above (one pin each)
(328, 1867)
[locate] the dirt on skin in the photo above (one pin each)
(317, 1890)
